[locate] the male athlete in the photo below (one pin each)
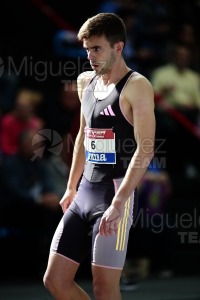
(112, 151)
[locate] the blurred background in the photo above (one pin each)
(40, 59)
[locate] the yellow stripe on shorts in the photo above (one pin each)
(121, 232)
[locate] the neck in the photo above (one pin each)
(115, 74)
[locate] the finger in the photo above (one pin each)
(111, 229)
(107, 229)
(64, 207)
(101, 226)
(114, 227)
(116, 224)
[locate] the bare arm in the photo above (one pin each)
(77, 167)
(140, 98)
(78, 159)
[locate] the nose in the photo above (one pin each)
(90, 55)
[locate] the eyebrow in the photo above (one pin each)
(97, 46)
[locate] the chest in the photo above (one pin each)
(101, 91)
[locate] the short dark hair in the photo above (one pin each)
(108, 24)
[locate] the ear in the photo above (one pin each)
(119, 47)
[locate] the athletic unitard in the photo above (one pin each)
(109, 146)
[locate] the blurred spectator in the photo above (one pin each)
(30, 196)
(154, 195)
(23, 116)
(186, 34)
(176, 82)
(65, 109)
(176, 85)
(8, 87)
(153, 32)
(150, 247)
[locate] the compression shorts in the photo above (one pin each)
(77, 234)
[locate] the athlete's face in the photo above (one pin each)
(100, 54)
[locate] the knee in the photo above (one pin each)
(58, 285)
(53, 284)
(48, 282)
(102, 290)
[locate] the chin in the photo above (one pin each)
(102, 71)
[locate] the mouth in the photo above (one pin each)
(94, 66)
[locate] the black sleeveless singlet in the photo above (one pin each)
(107, 114)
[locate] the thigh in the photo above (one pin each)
(110, 251)
(72, 238)
(60, 270)
(106, 277)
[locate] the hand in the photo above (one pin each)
(110, 221)
(67, 199)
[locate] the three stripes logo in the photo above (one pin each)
(107, 111)
(122, 229)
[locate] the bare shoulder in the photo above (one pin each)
(138, 79)
(82, 81)
(138, 89)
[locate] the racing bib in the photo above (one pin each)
(100, 146)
